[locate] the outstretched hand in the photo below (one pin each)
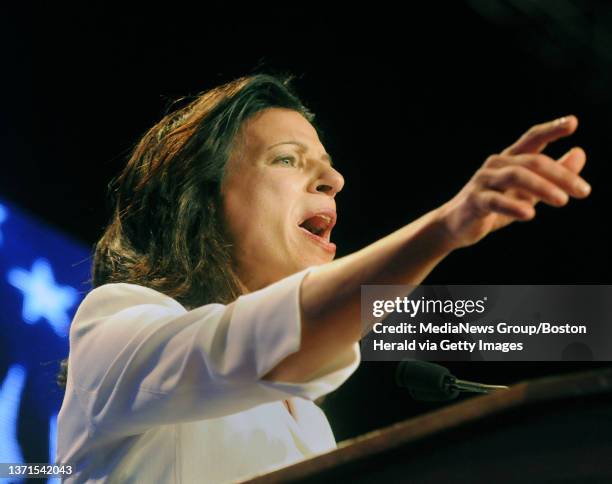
(508, 186)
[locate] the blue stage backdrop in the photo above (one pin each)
(44, 275)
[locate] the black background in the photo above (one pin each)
(410, 102)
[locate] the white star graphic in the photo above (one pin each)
(42, 297)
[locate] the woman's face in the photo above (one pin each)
(278, 195)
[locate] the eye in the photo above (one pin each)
(285, 160)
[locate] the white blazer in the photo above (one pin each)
(160, 394)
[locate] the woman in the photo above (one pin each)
(218, 313)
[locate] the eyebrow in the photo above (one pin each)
(326, 156)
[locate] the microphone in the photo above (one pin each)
(429, 382)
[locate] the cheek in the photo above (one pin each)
(258, 211)
(238, 210)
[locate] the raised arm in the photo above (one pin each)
(506, 188)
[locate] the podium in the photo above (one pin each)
(550, 430)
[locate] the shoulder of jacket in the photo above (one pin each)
(132, 294)
(109, 299)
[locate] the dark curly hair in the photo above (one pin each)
(167, 229)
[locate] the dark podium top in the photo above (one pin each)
(550, 430)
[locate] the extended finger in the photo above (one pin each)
(523, 195)
(557, 173)
(496, 202)
(538, 136)
(518, 178)
(574, 160)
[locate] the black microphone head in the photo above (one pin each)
(426, 381)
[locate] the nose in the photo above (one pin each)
(327, 180)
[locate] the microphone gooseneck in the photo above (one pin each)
(430, 382)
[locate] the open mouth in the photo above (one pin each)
(318, 228)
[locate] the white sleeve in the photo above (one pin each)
(139, 359)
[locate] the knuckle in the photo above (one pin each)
(482, 176)
(492, 202)
(492, 160)
(482, 203)
(536, 162)
(512, 175)
(478, 196)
